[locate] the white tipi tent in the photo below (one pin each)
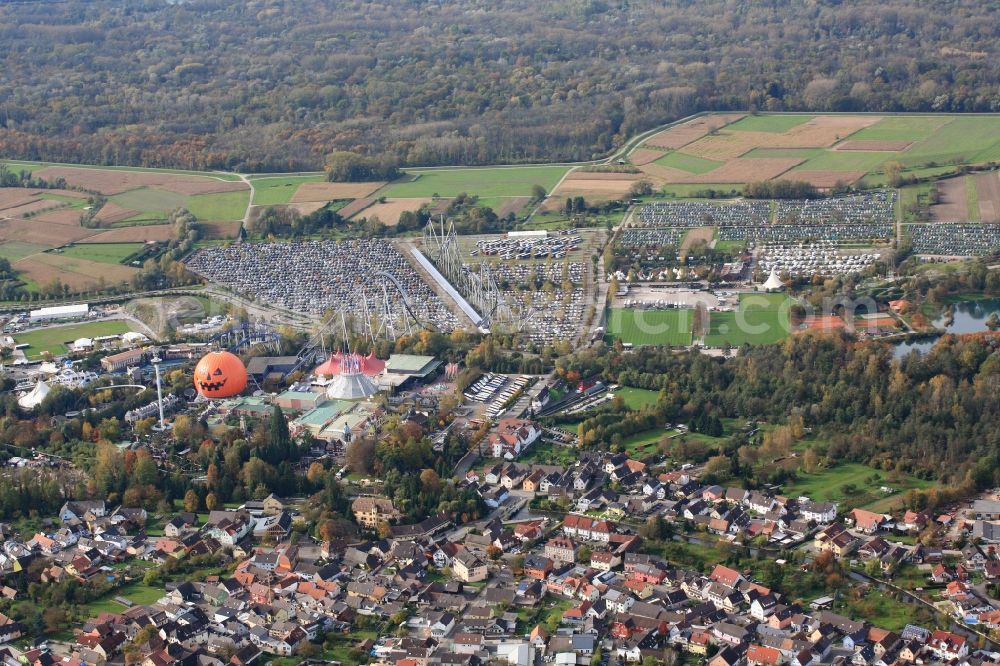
(773, 282)
(35, 396)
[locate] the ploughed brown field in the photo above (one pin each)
(220, 230)
(682, 135)
(988, 187)
(112, 181)
(111, 213)
(952, 205)
(68, 216)
(642, 156)
(139, 234)
(77, 273)
(388, 212)
(33, 231)
(326, 192)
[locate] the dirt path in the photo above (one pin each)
(246, 213)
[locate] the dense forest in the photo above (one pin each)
(275, 85)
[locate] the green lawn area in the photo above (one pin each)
(136, 592)
(269, 191)
(828, 486)
(483, 182)
(645, 443)
(689, 163)
(846, 160)
(730, 245)
(651, 327)
(637, 398)
(769, 123)
(546, 453)
(760, 319)
(14, 250)
(52, 339)
(881, 610)
(219, 206)
(105, 253)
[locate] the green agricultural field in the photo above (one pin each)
(74, 202)
(270, 191)
(902, 128)
(53, 339)
(14, 250)
(966, 139)
(105, 253)
(972, 198)
(637, 398)
(686, 191)
(150, 202)
(854, 485)
(689, 163)
(220, 206)
(846, 160)
(156, 204)
(484, 182)
(776, 123)
(761, 319)
(652, 327)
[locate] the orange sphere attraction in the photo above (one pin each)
(220, 375)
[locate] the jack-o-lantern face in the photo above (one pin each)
(220, 375)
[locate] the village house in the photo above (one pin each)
(468, 568)
(370, 511)
(511, 437)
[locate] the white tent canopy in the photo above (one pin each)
(773, 282)
(351, 386)
(35, 396)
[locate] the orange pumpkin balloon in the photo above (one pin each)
(220, 375)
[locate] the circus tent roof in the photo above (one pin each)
(340, 362)
(351, 386)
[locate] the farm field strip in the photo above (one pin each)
(106, 253)
(689, 163)
(77, 273)
(481, 181)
